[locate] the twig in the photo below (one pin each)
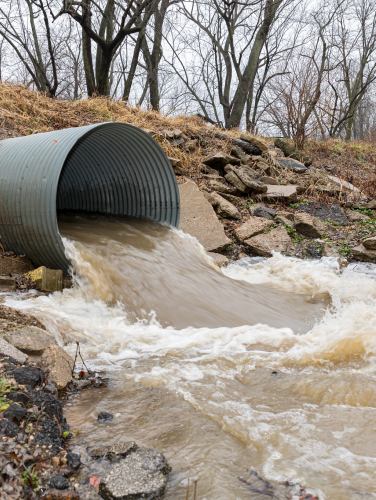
(194, 497)
(79, 352)
(75, 358)
(186, 498)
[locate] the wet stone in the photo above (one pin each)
(9, 428)
(74, 460)
(105, 416)
(143, 474)
(15, 413)
(59, 483)
(27, 376)
(121, 449)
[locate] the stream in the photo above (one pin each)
(267, 364)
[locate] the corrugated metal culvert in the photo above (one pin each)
(109, 168)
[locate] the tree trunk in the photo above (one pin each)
(88, 64)
(103, 87)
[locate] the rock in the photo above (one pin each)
(205, 169)
(218, 161)
(246, 146)
(235, 200)
(26, 375)
(329, 251)
(224, 208)
(370, 243)
(216, 177)
(30, 339)
(343, 185)
(239, 153)
(198, 219)
(174, 162)
(15, 413)
(277, 240)
(332, 213)
(50, 388)
(219, 260)
(309, 226)
(284, 220)
(73, 460)
(362, 253)
(249, 177)
(354, 216)
(191, 145)
(49, 280)
(292, 152)
(121, 449)
(19, 397)
(59, 483)
(9, 428)
(287, 193)
(7, 283)
(288, 215)
(291, 164)
(15, 265)
(222, 188)
(269, 180)
(181, 171)
(233, 179)
(252, 227)
(9, 350)
(143, 474)
(105, 416)
(242, 255)
(59, 365)
(371, 205)
(265, 212)
(259, 143)
(177, 133)
(60, 495)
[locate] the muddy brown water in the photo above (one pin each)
(269, 364)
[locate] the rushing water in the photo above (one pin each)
(269, 364)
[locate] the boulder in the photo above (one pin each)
(59, 365)
(7, 283)
(292, 152)
(287, 194)
(370, 243)
(8, 350)
(309, 226)
(222, 188)
(198, 219)
(259, 143)
(142, 474)
(277, 240)
(233, 179)
(218, 161)
(265, 212)
(49, 280)
(354, 216)
(291, 164)
(252, 227)
(332, 213)
(218, 259)
(362, 253)
(30, 339)
(269, 180)
(223, 207)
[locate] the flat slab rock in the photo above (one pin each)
(285, 193)
(9, 350)
(364, 254)
(30, 339)
(141, 475)
(291, 164)
(252, 227)
(332, 213)
(265, 244)
(198, 219)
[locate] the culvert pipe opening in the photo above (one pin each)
(108, 168)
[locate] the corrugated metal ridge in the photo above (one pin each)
(112, 168)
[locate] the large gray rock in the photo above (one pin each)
(198, 219)
(265, 244)
(265, 212)
(9, 350)
(309, 226)
(362, 253)
(142, 475)
(291, 164)
(233, 179)
(332, 213)
(292, 152)
(252, 227)
(59, 365)
(30, 339)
